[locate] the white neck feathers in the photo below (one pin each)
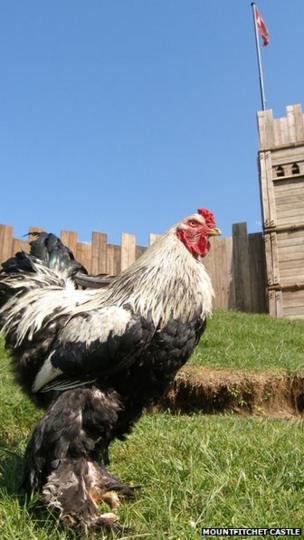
(166, 281)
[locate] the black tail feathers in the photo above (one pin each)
(47, 249)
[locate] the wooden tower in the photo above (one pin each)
(281, 168)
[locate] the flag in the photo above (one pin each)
(262, 28)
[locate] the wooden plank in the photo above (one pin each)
(128, 250)
(299, 122)
(267, 190)
(279, 304)
(291, 234)
(292, 211)
(263, 189)
(69, 239)
(295, 123)
(99, 253)
(289, 246)
(291, 192)
(209, 263)
(288, 192)
(117, 260)
(275, 257)
(296, 312)
(278, 139)
(257, 266)
(273, 273)
(83, 255)
(6, 242)
(227, 278)
(290, 199)
(262, 130)
(289, 185)
(268, 254)
(286, 221)
(241, 267)
(110, 260)
(293, 265)
(113, 260)
(270, 190)
(297, 242)
(266, 129)
(224, 273)
(231, 299)
(293, 298)
(217, 272)
(272, 305)
(295, 209)
(291, 124)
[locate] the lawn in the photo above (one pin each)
(244, 341)
(196, 470)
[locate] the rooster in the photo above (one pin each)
(94, 359)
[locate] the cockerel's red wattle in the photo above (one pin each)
(195, 230)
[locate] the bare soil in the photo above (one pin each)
(214, 391)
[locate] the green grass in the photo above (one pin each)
(243, 341)
(194, 470)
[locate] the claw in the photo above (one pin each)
(112, 499)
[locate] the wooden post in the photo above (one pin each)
(231, 302)
(128, 250)
(241, 267)
(6, 242)
(99, 253)
(110, 259)
(257, 272)
(69, 239)
(84, 255)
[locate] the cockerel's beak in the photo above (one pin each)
(214, 232)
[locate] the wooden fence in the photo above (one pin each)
(236, 264)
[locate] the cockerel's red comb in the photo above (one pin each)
(209, 217)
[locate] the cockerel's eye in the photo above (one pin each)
(193, 222)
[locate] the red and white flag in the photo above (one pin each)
(262, 28)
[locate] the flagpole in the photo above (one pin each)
(258, 50)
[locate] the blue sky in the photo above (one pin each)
(127, 115)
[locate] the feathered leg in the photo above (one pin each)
(62, 458)
(75, 488)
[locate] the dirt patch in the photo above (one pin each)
(276, 394)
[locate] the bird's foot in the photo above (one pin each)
(114, 484)
(114, 497)
(77, 487)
